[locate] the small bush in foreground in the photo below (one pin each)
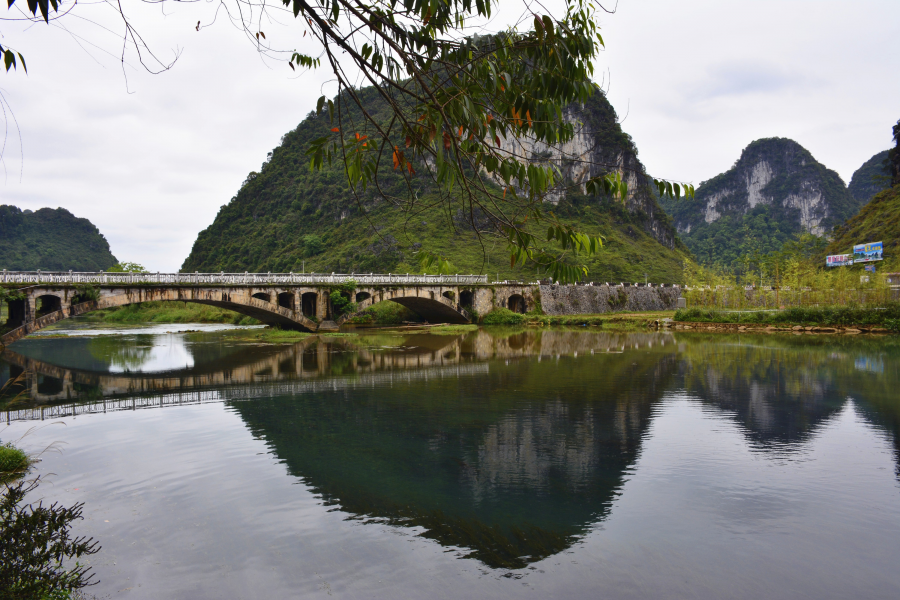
(34, 541)
(13, 463)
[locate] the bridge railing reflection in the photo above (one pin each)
(326, 360)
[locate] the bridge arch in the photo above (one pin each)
(286, 300)
(432, 304)
(517, 304)
(308, 303)
(46, 304)
(467, 299)
(49, 307)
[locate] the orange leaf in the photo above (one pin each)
(497, 139)
(408, 141)
(409, 166)
(447, 141)
(336, 129)
(460, 131)
(528, 115)
(504, 192)
(396, 158)
(357, 136)
(490, 118)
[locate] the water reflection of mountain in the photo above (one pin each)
(782, 388)
(509, 445)
(511, 466)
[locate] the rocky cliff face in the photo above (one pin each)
(775, 190)
(598, 147)
(778, 173)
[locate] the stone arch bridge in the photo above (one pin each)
(292, 301)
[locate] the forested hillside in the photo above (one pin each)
(775, 191)
(51, 240)
(877, 221)
(287, 218)
(872, 177)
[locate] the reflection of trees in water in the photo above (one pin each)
(122, 354)
(513, 466)
(781, 388)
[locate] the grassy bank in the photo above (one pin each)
(642, 320)
(169, 312)
(887, 316)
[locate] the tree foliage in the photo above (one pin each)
(34, 542)
(464, 102)
(127, 267)
(463, 107)
(50, 239)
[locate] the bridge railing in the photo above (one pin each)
(74, 278)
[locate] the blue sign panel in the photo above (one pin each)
(868, 252)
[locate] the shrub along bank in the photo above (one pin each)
(504, 316)
(169, 312)
(887, 316)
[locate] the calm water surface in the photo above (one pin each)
(487, 464)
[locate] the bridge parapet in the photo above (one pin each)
(255, 279)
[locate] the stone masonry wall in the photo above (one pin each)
(604, 298)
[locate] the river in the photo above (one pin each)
(488, 463)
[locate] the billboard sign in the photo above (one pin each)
(867, 252)
(838, 260)
(870, 268)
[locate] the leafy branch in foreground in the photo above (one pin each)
(34, 542)
(466, 108)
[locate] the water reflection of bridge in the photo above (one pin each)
(316, 361)
(251, 391)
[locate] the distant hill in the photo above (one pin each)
(872, 177)
(51, 240)
(775, 190)
(877, 221)
(285, 217)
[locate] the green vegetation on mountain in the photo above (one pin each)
(879, 220)
(288, 218)
(51, 240)
(872, 177)
(773, 193)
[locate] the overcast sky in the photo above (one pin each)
(150, 160)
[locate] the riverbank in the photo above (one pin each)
(884, 319)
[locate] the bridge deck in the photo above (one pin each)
(255, 279)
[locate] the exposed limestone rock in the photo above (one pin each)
(774, 191)
(599, 146)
